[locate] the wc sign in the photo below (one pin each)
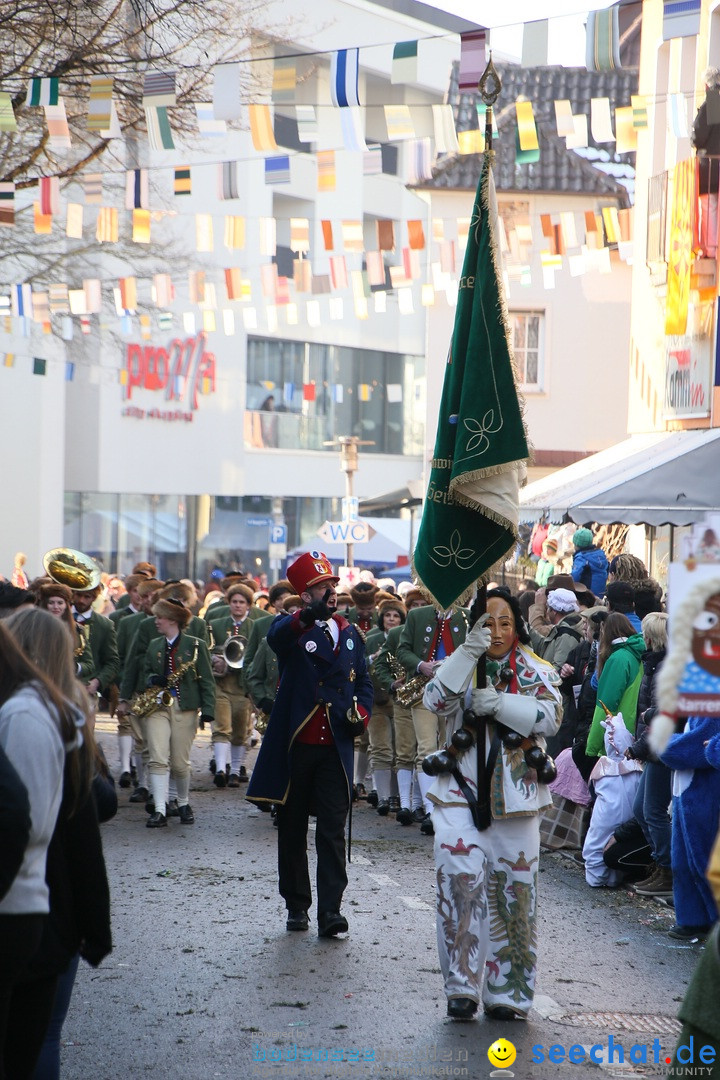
(180, 372)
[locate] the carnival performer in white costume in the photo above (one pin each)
(488, 798)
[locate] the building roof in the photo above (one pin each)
(596, 171)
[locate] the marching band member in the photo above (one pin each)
(233, 720)
(179, 665)
(486, 812)
(306, 757)
(428, 637)
(103, 645)
(57, 599)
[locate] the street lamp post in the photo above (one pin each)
(348, 445)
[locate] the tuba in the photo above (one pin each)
(69, 567)
(229, 655)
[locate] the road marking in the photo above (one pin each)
(383, 879)
(361, 860)
(415, 903)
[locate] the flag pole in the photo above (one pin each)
(489, 88)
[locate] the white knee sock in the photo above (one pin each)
(159, 791)
(183, 790)
(237, 758)
(404, 782)
(126, 742)
(381, 782)
(222, 755)
(425, 782)
(139, 769)
(172, 787)
(361, 766)
(417, 799)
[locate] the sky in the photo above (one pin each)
(566, 30)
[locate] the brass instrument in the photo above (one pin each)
(83, 633)
(72, 568)
(412, 691)
(149, 700)
(396, 668)
(231, 654)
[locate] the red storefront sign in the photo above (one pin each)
(182, 370)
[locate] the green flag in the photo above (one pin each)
(470, 515)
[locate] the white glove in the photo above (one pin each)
(485, 702)
(478, 640)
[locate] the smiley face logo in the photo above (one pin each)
(501, 1054)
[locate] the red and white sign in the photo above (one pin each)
(181, 371)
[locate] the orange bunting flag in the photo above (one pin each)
(128, 293)
(416, 235)
(43, 222)
(386, 234)
(681, 243)
(327, 231)
(233, 283)
(261, 128)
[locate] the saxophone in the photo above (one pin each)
(149, 700)
(412, 691)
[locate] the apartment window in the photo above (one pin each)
(526, 330)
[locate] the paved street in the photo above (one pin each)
(204, 980)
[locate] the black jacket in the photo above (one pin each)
(647, 705)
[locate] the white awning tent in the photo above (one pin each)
(654, 479)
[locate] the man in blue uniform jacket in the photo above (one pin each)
(305, 764)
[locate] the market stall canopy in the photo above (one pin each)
(654, 479)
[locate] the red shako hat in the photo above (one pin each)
(312, 568)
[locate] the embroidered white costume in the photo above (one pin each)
(487, 880)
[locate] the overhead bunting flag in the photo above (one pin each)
(137, 189)
(638, 104)
(404, 62)
(42, 223)
(74, 221)
(277, 169)
(351, 120)
(261, 128)
(470, 516)
(446, 141)
(416, 235)
(527, 132)
(228, 180)
(7, 113)
(284, 81)
(602, 48)
(42, 92)
(326, 176)
(420, 161)
(207, 124)
(299, 235)
(160, 134)
(385, 234)
(204, 240)
(141, 226)
(600, 120)
(234, 232)
(183, 181)
(49, 194)
(344, 77)
(159, 89)
(100, 106)
(681, 18)
(564, 118)
(57, 125)
(626, 137)
(107, 225)
(472, 59)
(228, 93)
(681, 245)
(307, 123)
(535, 44)
(92, 187)
(7, 203)
(398, 121)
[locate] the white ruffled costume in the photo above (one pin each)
(487, 881)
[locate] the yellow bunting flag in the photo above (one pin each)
(680, 250)
(141, 226)
(261, 128)
(100, 105)
(326, 176)
(638, 103)
(107, 225)
(527, 132)
(471, 141)
(625, 130)
(43, 222)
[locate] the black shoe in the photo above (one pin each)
(173, 810)
(213, 765)
(186, 815)
(125, 780)
(297, 920)
(372, 798)
(139, 795)
(233, 780)
(383, 808)
(503, 1012)
(427, 826)
(150, 806)
(331, 923)
(156, 821)
(220, 779)
(243, 775)
(462, 1008)
(394, 804)
(418, 814)
(689, 933)
(404, 816)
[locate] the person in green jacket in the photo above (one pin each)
(620, 673)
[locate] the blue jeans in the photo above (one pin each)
(48, 1064)
(652, 801)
